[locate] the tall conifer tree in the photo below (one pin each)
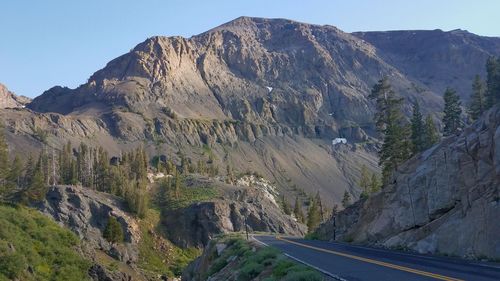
(417, 130)
(477, 102)
(452, 112)
(391, 123)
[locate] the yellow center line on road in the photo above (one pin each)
(372, 261)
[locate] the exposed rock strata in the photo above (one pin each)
(445, 200)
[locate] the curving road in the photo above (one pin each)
(355, 263)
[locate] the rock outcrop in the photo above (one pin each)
(254, 205)
(436, 58)
(86, 213)
(445, 200)
(9, 100)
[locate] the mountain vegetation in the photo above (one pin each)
(242, 260)
(391, 124)
(452, 118)
(32, 247)
(170, 129)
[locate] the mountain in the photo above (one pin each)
(445, 200)
(9, 100)
(436, 58)
(264, 95)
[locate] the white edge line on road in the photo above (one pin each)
(336, 277)
(258, 241)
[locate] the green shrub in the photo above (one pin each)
(29, 239)
(12, 264)
(312, 236)
(113, 231)
(249, 271)
(265, 263)
(218, 265)
(264, 254)
(305, 275)
(282, 267)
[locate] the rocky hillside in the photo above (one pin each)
(436, 58)
(34, 248)
(265, 95)
(9, 100)
(160, 245)
(445, 200)
(253, 200)
(86, 213)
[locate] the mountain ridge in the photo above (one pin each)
(272, 90)
(10, 100)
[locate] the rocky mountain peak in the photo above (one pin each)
(9, 100)
(252, 79)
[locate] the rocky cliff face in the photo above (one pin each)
(253, 202)
(445, 200)
(256, 70)
(436, 58)
(10, 100)
(267, 95)
(86, 212)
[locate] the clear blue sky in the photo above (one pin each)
(62, 42)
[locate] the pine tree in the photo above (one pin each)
(287, 209)
(139, 164)
(177, 186)
(320, 206)
(297, 210)
(335, 210)
(29, 171)
(374, 183)
(477, 102)
(229, 174)
(141, 202)
(364, 182)
(431, 133)
(390, 122)
(136, 197)
(346, 200)
(83, 165)
(113, 232)
(492, 81)
(184, 165)
(452, 111)
(417, 130)
(38, 185)
(102, 170)
(15, 172)
(313, 216)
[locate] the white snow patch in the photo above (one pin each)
(339, 140)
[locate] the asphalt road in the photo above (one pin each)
(353, 263)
